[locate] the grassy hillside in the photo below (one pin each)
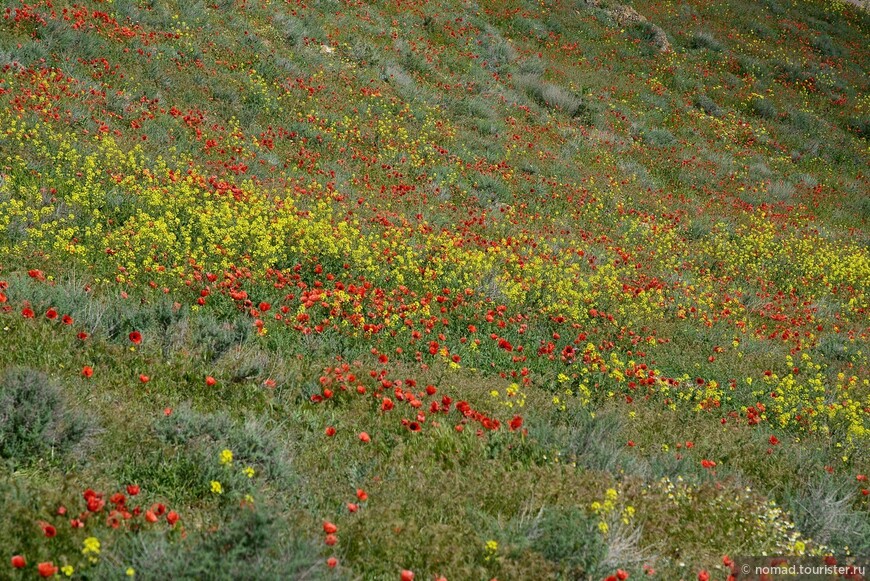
(410, 289)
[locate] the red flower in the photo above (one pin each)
(135, 337)
(27, 313)
(82, 336)
(144, 378)
(516, 423)
(364, 437)
(330, 431)
(94, 500)
(48, 530)
(414, 426)
(76, 524)
(332, 562)
(51, 314)
(329, 528)
(18, 562)
(703, 576)
(352, 507)
(331, 540)
(386, 404)
(210, 381)
(47, 569)
(132, 489)
(87, 371)
(407, 575)
(150, 516)
(773, 440)
(113, 520)
(172, 517)
(362, 495)
(37, 274)
(621, 574)
(118, 498)
(67, 320)
(264, 306)
(3, 298)
(708, 463)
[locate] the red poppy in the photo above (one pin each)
(47, 569)
(516, 423)
(362, 495)
(51, 314)
(37, 274)
(330, 431)
(210, 381)
(703, 576)
(82, 336)
(264, 306)
(708, 463)
(114, 519)
(150, 516)
(67, 320)
(87, 371)
(352, 507)
(329, 528)
(332, 562)
(118, 498)
(331, 540)
(172, 517)
(135, 337)
(407, 575)
(18, 562)
(414, 426)
(364, 437)
(144, 378)
(27, 313)
(386, 404)
(773, 440)
(621, 574)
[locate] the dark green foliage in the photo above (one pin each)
(708, 106)
(762, 107)
(570, 538)
(705, 40)
(35, 419)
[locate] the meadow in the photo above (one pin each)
(447, 289)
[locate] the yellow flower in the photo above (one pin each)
(249, 472)
(216, 487)
(91, 546)
(67, 570)
(131, 572)
(226, 457)
(602, 526)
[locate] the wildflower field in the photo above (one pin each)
(432, 289)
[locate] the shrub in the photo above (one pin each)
(552, 96)
(824, 44)
(570, 538)
(705, 40)
(34, 417)
(824, 512)
(708, 106)
(762, 107)
(659, 137)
